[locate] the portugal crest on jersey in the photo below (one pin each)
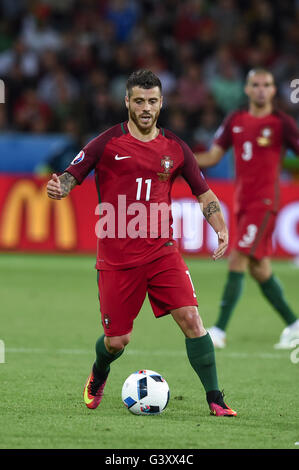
(167, 164)
(264, 139)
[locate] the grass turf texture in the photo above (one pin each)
(50, 322)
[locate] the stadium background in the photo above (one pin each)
(65, 64)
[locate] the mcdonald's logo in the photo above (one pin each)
(40, 212)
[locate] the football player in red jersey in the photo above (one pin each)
(137, 162)
(258, 137)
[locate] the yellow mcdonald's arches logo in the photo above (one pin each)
(38, 213)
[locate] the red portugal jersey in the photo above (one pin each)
(258, 145)
(134, 179)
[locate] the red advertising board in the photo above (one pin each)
(30, 221)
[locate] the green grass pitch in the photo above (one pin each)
(50, 322)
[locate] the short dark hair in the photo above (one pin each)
(144, 79)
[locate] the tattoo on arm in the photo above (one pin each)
(210, 209)
(68, 182)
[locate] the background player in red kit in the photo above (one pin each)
(138, 162)
(258, 136)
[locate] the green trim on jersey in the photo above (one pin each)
(122, 128)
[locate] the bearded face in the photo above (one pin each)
(144, 107)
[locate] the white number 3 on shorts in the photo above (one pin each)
(249, 236)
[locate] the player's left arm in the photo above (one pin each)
(208, 200)
(212, 211)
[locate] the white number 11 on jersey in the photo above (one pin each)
(139, 186)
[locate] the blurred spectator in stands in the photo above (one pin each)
(121, 68)
(208, 41)
(168, 81)
(65, 107)
(185, 55)
(177, 122)
(148, 55)
(78, 54)
(49, 62)
(81, 60)
(96, 80)
(123, 14)
(37, 33)
(261, 18)
(15, 83)
(255, 58)
(105, 43)
(123, 62)
(31, 113)
(213, 65)
(6, 35)
(101, 112)
(12, 8)
(240, 44)
(191, 89)
(190, 20)
(266, 44)
(61, 13)
(63, 156)
(205, 129)
(4, 126)
(58, 85)
(227, 87)
(291, 40)
(286, 67)
(226, 15)
(22, 55)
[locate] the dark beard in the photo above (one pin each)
(142, 129)
(258, 104)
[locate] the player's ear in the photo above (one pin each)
(161, 102)
(127, 101)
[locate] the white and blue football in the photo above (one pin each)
(145, 392)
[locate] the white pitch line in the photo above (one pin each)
(236, 354)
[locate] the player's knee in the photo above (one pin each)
(195, 323)
(259, 273)
(238, 261)
(254, 271)
(115, 344)
(190, 322)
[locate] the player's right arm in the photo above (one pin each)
(211, 157)
(60, 186)
(222, 142)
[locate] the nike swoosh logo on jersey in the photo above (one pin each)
(237, 129)
(122, 158)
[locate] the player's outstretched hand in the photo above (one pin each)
(54, 187)
(222, 245)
